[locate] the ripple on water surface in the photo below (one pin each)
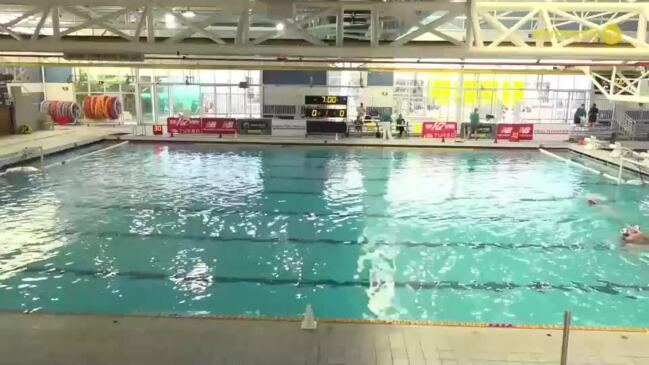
(359, 233)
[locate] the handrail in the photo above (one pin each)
(29, 152)
(625, 153)
(567, 321)
(629, 125)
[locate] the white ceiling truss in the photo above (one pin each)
(339, 29)
(625, 84)
(552, 29)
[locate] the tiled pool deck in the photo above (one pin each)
(103, 339)
(12, 148)
(605, 156)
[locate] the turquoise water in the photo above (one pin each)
(489, 236)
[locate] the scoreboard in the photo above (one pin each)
(325, 106)
(325, 100)
(325, 113)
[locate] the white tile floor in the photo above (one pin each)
(606, 155)
(12, 148)
(91, 339)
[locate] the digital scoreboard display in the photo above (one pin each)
(325, 100)
(325, 113)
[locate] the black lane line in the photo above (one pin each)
(276, 212)
(337, 242)
(605, 287)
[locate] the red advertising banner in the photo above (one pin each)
(506, 131)
(219, 125)
(439, 129)
(183, 125)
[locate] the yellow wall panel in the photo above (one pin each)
(470, 96)
(440, 91)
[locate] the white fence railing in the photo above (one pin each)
(625, 126)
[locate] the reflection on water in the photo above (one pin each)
(375, 233)
(379, 262)
(29, 224)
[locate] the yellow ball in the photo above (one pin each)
(611, 34)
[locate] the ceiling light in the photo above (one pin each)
(189, 14)
(279, 26)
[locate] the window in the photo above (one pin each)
(347, 78)
(146, 102)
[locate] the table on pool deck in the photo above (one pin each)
(103, 339)
(59, 139)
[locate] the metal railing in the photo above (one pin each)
(567, 320)
(629, 156)
(628, 126)
(33, 152)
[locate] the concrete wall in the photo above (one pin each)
(59, 91)
(26, 108)
(26, 87)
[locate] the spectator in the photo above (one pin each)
(592, 115)
(580, 114)
(386, 125)
(361, 112)
(401, 125)
(474, 120)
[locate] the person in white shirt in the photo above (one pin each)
(386, 125)
(361, 112)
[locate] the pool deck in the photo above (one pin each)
(414, 142)
(103, 339)
(12, 148)
(605, 156)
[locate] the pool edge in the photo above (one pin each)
(395, 322)
(342, 143)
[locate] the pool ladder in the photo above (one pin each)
(630, 157)
(33, 152)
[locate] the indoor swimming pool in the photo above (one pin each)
(364, 233)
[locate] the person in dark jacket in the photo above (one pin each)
(401, 125)
(580, 114)
(592, 115)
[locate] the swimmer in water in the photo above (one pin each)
(20, 169)
(604, 208)
(630, 235)
(634, 236)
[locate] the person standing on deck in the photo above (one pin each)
(361, 112)
(592, 115)
(580, 114)
(474, 120)
(386, 125)
(401, 125)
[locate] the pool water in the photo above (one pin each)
(479, 236)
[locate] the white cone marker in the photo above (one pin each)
(309, 322)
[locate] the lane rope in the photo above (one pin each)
(85, 155)
(600, 173)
